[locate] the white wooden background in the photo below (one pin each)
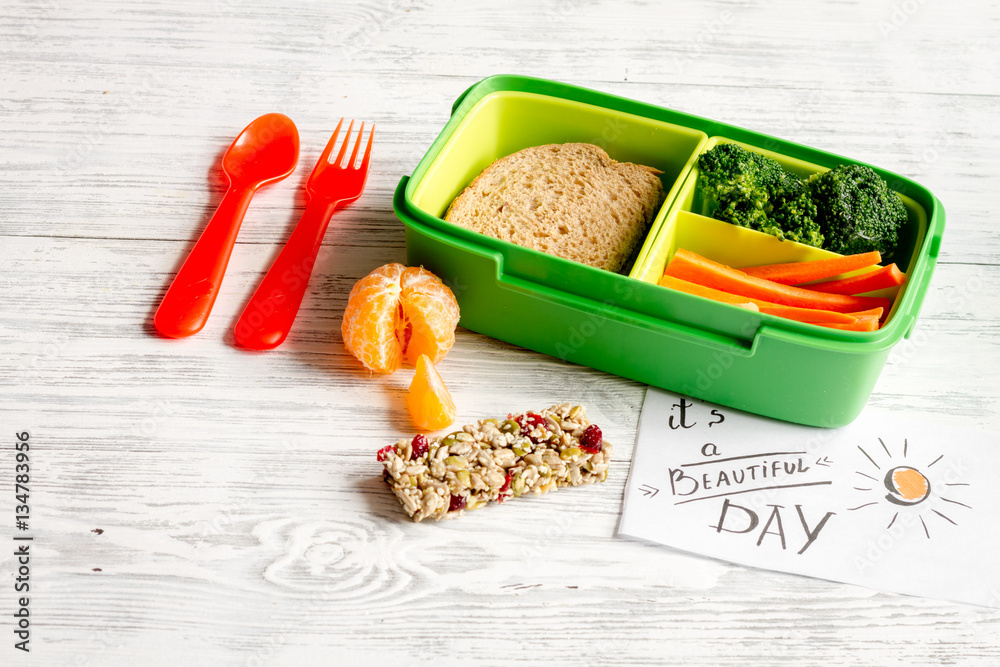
(193, 503)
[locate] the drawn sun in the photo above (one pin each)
(908, 486)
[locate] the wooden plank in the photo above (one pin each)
(195, 502)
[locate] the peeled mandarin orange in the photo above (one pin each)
(396, 314)
(429, 401)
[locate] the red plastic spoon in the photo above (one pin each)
(266, 151)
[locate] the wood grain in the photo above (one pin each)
(193, 502)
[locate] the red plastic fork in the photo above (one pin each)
(268, 317)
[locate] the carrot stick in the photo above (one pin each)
(880, 278)
(860, 324)
(700, 290)
(791, 312)
(794, 273)
(864, 320)
(871, 312)
(692, 267)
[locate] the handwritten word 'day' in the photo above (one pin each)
(773, 526)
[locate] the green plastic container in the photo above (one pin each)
(628, 325)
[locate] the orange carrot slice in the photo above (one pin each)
(860, 324)
(880, 278)
(871, 312)
(707, 292)
(809, 315)
(865, 320)
(692, 267)
(795, 273)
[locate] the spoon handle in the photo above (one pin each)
(190, 297)
(268, 317)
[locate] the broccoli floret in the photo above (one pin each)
(748, 189)
(857, 210)
(735, 184)
(793, 216)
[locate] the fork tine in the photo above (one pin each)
(343, 148)
(357, 145)
(368, 150)
(325, 155)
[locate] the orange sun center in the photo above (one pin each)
(910, 483)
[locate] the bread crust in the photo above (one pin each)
(571, 200)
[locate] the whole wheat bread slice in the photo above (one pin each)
(570, 200)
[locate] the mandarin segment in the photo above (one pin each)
(369, 326)
(397, 313)
(431, 325)
(374, 340)
(429, 401)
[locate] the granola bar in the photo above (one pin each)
(495, 459)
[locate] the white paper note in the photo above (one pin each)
(902, 506)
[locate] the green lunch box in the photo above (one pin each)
(628, 324)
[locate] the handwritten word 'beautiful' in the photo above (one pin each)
(684, 484)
